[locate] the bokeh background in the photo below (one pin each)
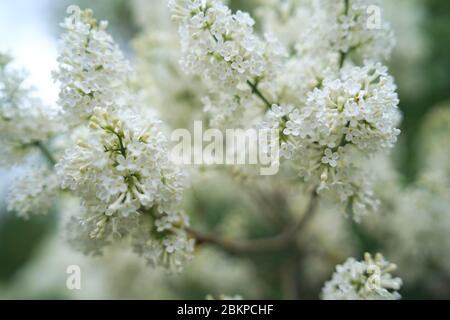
(33, 258)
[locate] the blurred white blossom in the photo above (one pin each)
(120, 166)
(34, 191)
(24, 121)
(323, 27)
(369, 279)
(92, 70)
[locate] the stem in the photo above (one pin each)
(45, 152)
(342, 57)
(122, 148)
(346, 6)
(252, 85)
(255, 90)
(275, 243)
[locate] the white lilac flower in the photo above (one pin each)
(87, 234)
(275, 119)
(24, 120)
(369, 279)
(126, 183)
(170, 249)
(92, 69)
(360, 28)
(233, 61)
(350, 27)
(308, 18)
(358, 108)
(349, 119)
(120, 168)
(345, 179)
(123, 167)
(219, 44)
(226, 110)
(302, 74)
(34, 191)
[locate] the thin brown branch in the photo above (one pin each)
(275, 243)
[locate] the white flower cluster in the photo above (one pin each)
(222, 47)
(220, 44)
(360, 29)
(123, 176)
(32, 192)
(24, 120)
(369, 279)
(92, 70)
(332, 114)
(328, 34)
(358, 108)
(120, 167)
(354, 27)
(349, 118)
